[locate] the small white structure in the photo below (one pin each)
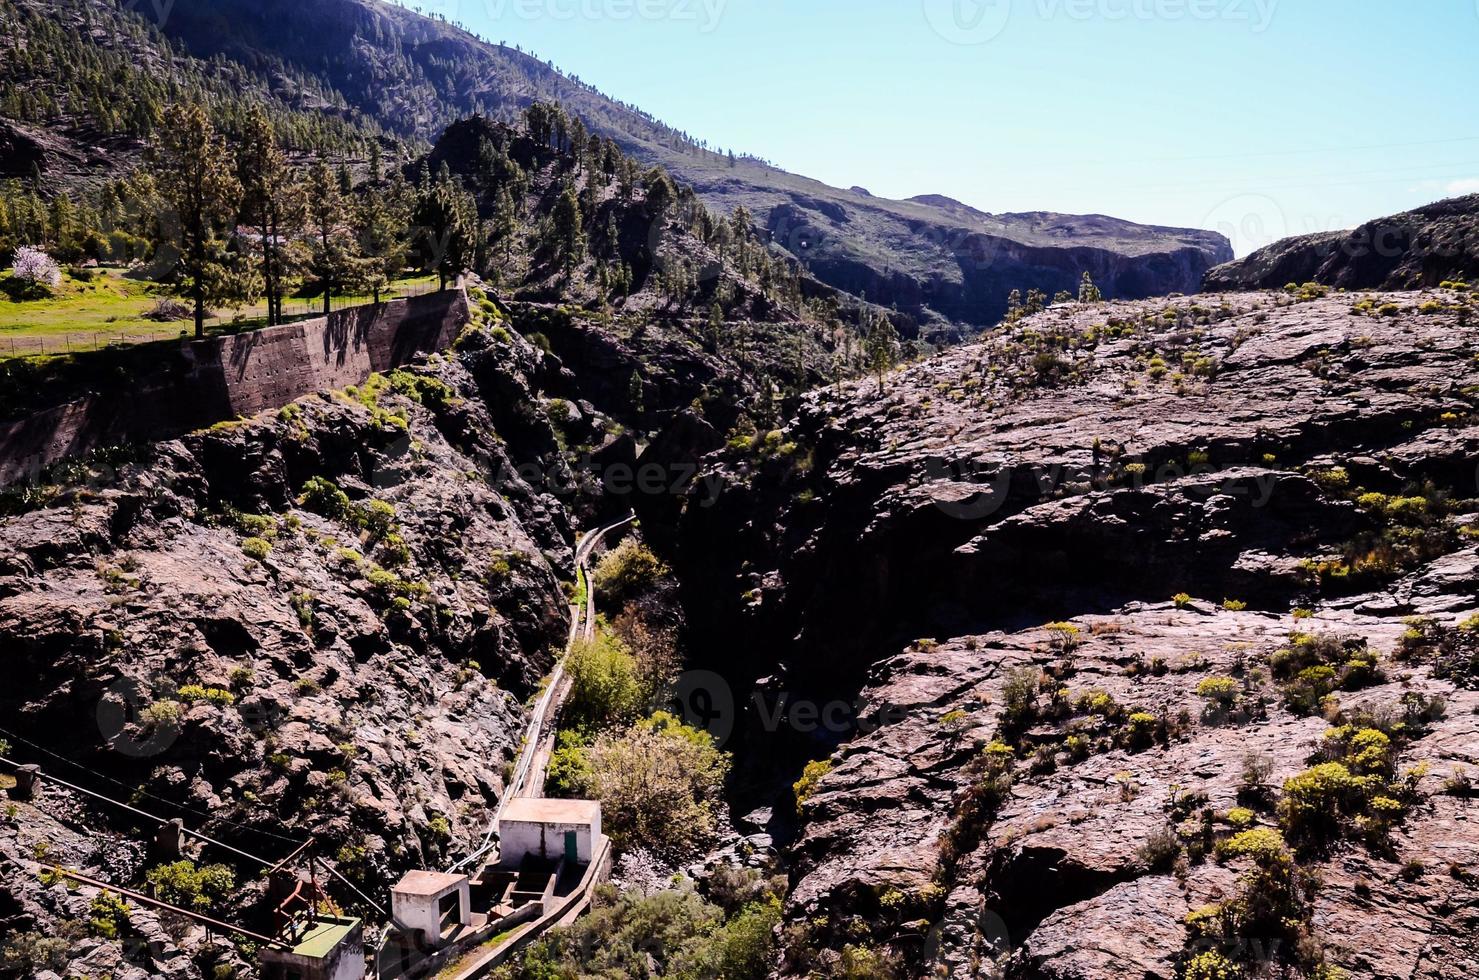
(330, 948)
(432, 903)
(550, 830)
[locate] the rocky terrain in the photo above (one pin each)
(342, 74)
(1296, 468)
(1420, 248)
(322, 621)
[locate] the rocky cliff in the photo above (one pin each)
(1420, 248)
(322, 621)
(1067, 800)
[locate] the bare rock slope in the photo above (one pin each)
(1067, 800)
(321, 622)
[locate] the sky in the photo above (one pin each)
(1257, 118)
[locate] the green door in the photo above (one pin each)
(572, 852)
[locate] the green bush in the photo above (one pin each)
(1219, 691)
(627, 571)
(108, 915)
(258, 548)
(1019, 699)
(214, 695)
(606, 686)
(811, 776)
(324, 497)
(673, 933)
(1318, 802)
(658, 783)
(200, 888)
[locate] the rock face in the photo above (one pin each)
(1087, 465)
(323, 621)
(1418, 248)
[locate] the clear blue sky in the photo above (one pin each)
(1257, 117)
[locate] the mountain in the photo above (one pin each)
(378, 70)
(1418, 248)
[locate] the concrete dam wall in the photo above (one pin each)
(201, 382)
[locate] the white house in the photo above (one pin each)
(549, 829)
(433, 903)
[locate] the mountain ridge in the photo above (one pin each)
(950, 267)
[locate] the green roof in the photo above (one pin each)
(326, 934)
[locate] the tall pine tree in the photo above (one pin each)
(196, 183)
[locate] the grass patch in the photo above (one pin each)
(111, 307)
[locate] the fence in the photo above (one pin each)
(30, 344)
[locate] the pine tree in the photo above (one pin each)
(568, 229)
(381, 216)
(881, 348)
(447, 223)
(272, 202)
(635, 395)
(197, 186)
(333, 253)
(505, 223)
(716, 327)
(1087, 291)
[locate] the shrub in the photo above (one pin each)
(1220, 693)
(811, 776)
(1019, 698)
(213, 695)
(1234, 605)
(658, 783)
(670, 933)
(606, 686)
(1316, 802)
(167, 309)
(1263, 846)
(199, 888)
(161, 714)
(378, 518)
(108, 915)
(324, 497)
(569, 768)
(258, 548)
(627, 571)
(1160, 850)
(1240, 817)
(1211, 965)
(1140, 729)
(29, 953)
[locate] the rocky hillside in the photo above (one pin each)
(1295, 469)
(325, 620)
(1421, 248)
(351, 72)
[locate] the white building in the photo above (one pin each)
(549, 829)
(432, 903)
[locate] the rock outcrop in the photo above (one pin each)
(1080, 469)
(1415, 249)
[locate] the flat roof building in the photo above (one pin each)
(433, 903)
(548, 829)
